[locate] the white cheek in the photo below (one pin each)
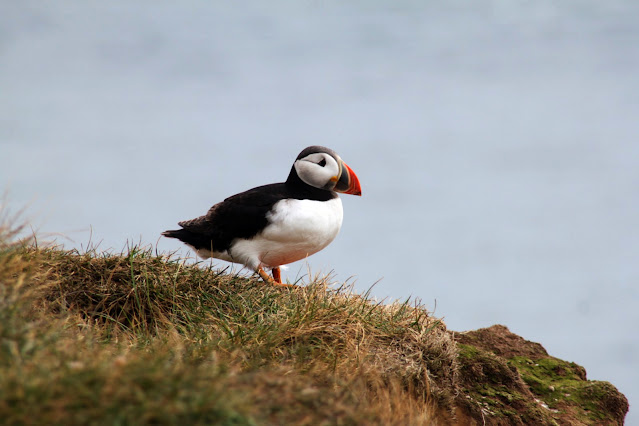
(313, 174)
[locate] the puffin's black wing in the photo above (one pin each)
(239, 216)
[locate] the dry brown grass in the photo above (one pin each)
(144, 338)
(138, 338)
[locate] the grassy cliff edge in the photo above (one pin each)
(138, 338)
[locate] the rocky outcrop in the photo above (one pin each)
(506, 380)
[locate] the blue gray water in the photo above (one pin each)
(496, 144)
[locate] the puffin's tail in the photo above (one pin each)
(196, 240)
(177, 233)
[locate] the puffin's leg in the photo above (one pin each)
(277, 276)
(265, 276)
(270, 280)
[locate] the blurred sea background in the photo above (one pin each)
(496, 143)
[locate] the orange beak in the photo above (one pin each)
(348, 182)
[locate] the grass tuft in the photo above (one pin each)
(138, 337)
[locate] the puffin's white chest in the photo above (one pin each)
(297, 229)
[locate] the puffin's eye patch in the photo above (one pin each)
(322, 162)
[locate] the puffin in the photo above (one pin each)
(276, 224)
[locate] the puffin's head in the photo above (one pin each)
(322, 168)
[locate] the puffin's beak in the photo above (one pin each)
(348, 182)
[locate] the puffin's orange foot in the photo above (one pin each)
(276, 274)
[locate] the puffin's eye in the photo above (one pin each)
(322, 163)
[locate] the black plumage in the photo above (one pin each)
(243, 215)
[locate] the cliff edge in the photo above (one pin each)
(145, 338)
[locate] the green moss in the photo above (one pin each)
(467, 351)
(494, 388)
(550, 378)
(560, 384)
